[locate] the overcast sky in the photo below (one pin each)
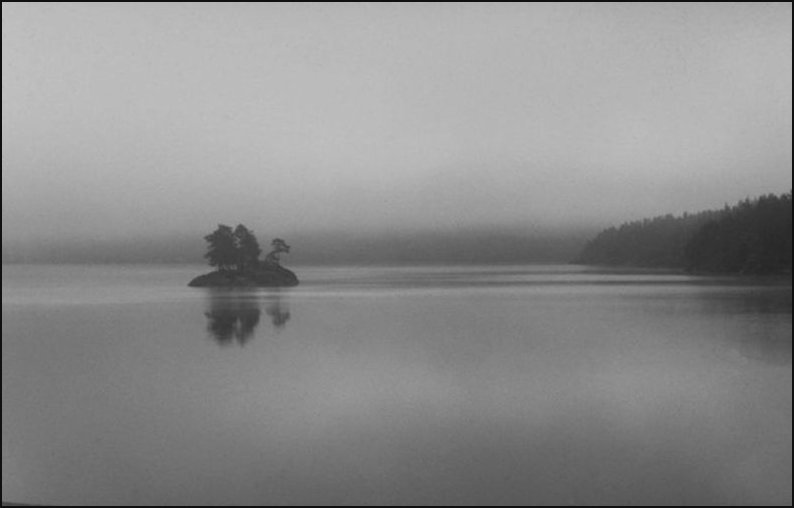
(133, 118)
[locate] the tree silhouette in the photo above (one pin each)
(248, 249)
(753, 236)
(239, 249)
(279, 246)
(222, 248)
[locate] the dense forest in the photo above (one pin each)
(753, 236)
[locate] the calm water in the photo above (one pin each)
(517, 385)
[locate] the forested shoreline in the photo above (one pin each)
(752, 236)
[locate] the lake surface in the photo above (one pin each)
(506, 385)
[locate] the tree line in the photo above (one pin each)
(752, 236)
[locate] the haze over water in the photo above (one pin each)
(151, 120)
(489, 134)
(511, 385)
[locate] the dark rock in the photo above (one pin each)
(263, 276)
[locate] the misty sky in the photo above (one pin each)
(147, 118)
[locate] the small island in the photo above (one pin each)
(235, 253)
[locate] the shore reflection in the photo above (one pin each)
(233, 317)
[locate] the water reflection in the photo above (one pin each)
(759, 320)
(233, 317)
(278, 312)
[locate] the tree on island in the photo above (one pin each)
(222, 248)
(247, 248)
(238, 249)
(279, 246)
(235, 252)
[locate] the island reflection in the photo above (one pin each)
(233, 317)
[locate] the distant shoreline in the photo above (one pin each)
(594, 268)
